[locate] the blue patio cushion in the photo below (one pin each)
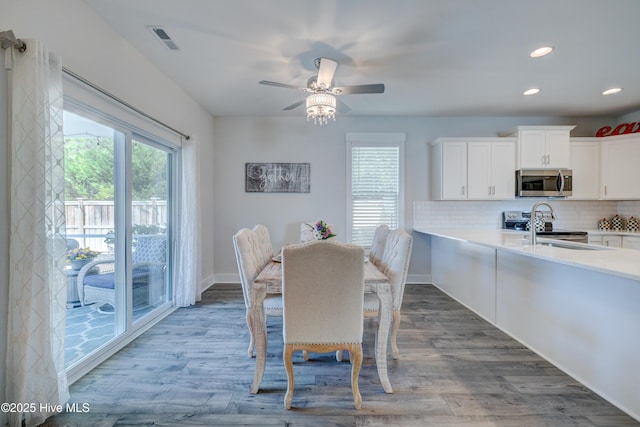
(106, 281)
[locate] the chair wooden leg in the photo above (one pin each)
(252, 342)
(288, 365)
(305, 355)
(394, 333)
(355, 356)
(339, 355)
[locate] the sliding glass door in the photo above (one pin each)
(92, 272)
(119, 214)
(151, 225)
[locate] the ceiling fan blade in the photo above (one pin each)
(346, 90)
(326, 72)
(342, 107)
(268, 83)
(295, 105)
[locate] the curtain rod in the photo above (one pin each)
(126, 104)
(8, 39)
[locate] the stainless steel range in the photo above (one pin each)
(521, 220)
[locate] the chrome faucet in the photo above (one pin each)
(534, 211)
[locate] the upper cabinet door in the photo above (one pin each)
(620, 171)
(503, 170)
(543, 147)
(585, 164)
(479, 170)
(532, 149)
(448, 170)
(558, 149)
(454, 171)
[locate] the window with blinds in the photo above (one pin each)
(376, 187)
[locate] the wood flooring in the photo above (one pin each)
(455, 369)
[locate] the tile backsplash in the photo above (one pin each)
(576, 215)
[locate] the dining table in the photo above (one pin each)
(269, 281)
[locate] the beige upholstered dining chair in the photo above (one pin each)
(263, 242)
(323, 294)
(394, 264)
(377, 247)
(306, 231)
(253, 251)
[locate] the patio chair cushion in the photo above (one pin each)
(107, 281)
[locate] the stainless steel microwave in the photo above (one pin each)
(544, 183)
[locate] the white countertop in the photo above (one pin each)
(616, 261)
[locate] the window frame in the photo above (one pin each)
(378, 139)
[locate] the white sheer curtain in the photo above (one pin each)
(187, 272)
(37, 283)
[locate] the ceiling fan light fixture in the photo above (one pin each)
(321, 107)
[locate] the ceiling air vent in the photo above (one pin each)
(163, 37)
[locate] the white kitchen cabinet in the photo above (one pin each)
(491, 169)
(620, 170)
(449, 167)
(613, 241)
(574, 316)
(594, 239)
(585, 163)
(473, 168)
(631, 242)
(545, 147)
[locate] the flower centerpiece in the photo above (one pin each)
(78, 257)
(321, 230)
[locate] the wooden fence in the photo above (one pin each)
(90, 222)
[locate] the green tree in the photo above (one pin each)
(148, 173)
(88, 168)
(89, 165)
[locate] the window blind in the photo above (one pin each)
(375, 190)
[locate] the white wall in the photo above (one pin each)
(631, 117)
(91, 49)
(292, 139)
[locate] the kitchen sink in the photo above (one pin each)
(574, 246)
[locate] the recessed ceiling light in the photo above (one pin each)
(612, 91)
(541, 51)
(531, 91)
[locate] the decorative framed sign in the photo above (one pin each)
(277, 177)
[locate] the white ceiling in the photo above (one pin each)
(435, 57)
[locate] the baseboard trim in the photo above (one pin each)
(418, 278)
(227, 278)
(207, 282)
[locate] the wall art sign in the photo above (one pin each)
(624, 128)
(277, 177)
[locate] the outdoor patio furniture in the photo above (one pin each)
(96, 280)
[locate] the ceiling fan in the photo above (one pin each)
(321, 104)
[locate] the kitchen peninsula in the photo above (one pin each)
(579, 309)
